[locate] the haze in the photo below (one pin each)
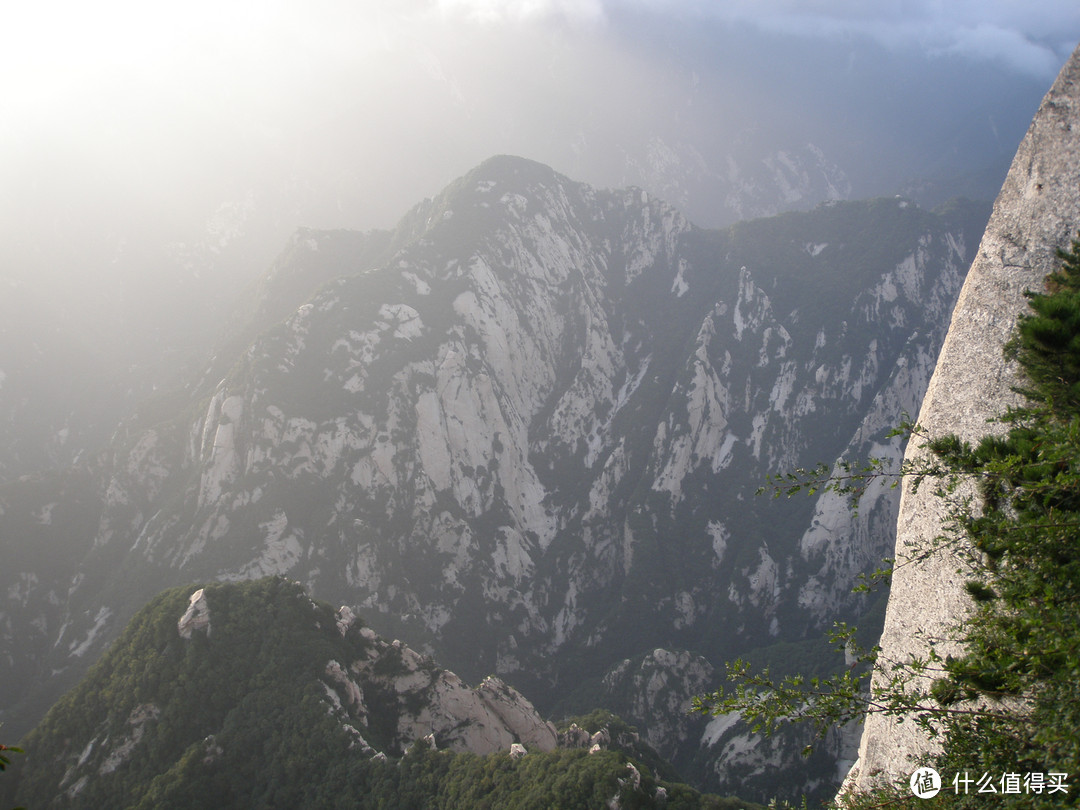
(154, 159)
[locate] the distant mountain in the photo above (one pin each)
(253, 695)
(523, 431)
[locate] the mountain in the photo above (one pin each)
(245, 695)
(524, 431)
(1036, 213)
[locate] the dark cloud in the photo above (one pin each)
(1031, 37)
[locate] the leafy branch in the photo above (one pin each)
(4, 759)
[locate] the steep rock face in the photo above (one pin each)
(196, 617)
(524, 431)
(489, 718)
(1037, 212)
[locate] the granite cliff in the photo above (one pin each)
(1036, 213)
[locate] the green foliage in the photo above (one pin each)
(4, 760)
(167, 695)
(1047, 342)
(1011, 702)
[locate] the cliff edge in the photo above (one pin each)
(1036, 212)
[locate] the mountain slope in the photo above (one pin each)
(254, 695)
(523, 431)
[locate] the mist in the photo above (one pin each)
(154, 160)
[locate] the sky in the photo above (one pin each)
(58, 56)
(130, 130)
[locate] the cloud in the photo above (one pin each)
(1033, 37)
(1009, 46)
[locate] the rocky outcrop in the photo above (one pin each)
(435, 702)
(1037, 212)
(196, 617)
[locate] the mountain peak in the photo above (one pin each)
(504, 167)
